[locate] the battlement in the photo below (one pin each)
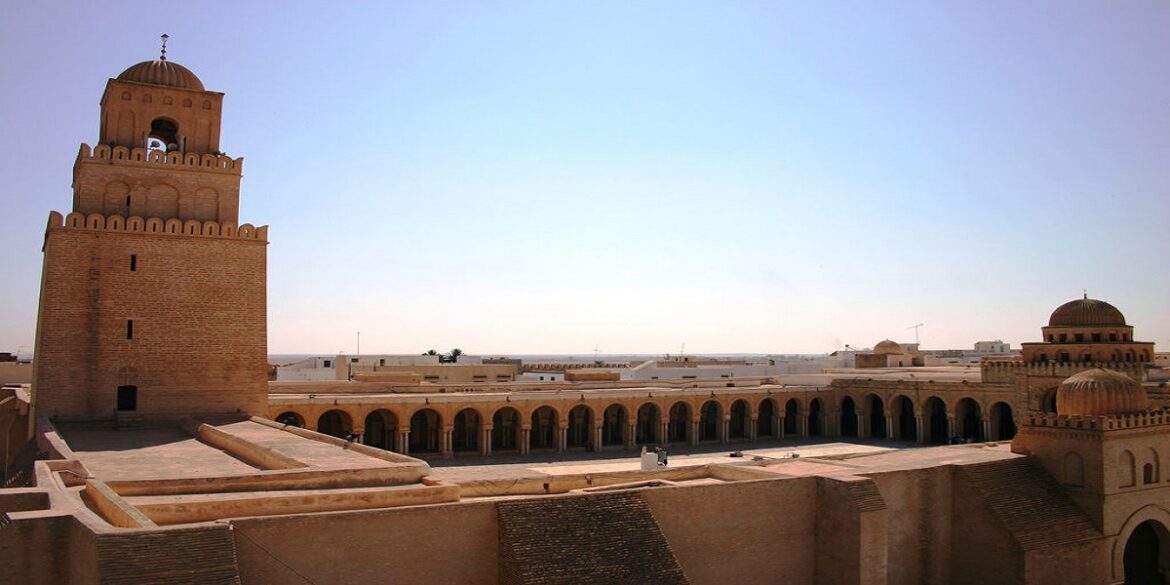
(1005, 371)
(869, 384)
(154, 225)
(1152, 418)
(202, 162)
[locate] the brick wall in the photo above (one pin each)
(133, 182)
(198, 306)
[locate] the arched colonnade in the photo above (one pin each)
(598, 422)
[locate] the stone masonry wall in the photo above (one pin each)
(198, 306)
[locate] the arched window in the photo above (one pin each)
(1150, 469)
(1127, 470)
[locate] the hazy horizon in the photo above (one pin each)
(551, 178)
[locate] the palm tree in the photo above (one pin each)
(431, 352)
(453, 356)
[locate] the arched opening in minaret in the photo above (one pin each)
(164, 135)
(1147, 554)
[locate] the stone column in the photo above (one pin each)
(725, 429)
(986, 429)
(445, 442)
(663, 433)
(694, 432)
(950, 428)
(920, 427)
(525, 438)
(889, 426)
(802, 423)
(361, 435)
(631, 435)
(753, 427)
(485, 441)
(596, 446)
(562, 438)
(403, 441)
(863, 429)
(779, 426)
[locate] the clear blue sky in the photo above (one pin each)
(550, 177)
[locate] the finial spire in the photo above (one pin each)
(1085, 292)
(163, 57)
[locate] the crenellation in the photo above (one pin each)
(192, 161)
(1153, 418)
(154, 225)
(998, 370)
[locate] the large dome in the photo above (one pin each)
(888, 347)
(1100, 392)
(160, 72)
(1086, 313)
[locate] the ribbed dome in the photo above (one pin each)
(1100, 392)
(887, 347)
(166, 73)
(1086, 313)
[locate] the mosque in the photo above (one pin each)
(152, 447)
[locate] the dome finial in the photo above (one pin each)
(163, 57)
(1085, 292)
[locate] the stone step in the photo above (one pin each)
(128, 421)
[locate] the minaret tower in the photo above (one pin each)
(153, 297)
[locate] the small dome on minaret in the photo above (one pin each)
(162, 72)
(1099, 392)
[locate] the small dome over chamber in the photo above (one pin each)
(162, 72)
(1099, 392)
(888, 347)
(1086, 313)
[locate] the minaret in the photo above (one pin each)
(153, 298)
